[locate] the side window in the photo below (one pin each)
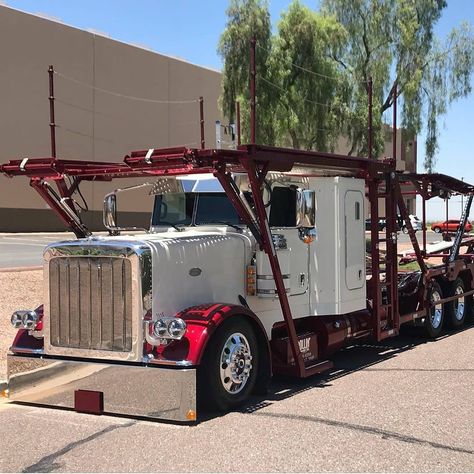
(283, 207)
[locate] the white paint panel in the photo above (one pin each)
(332, 251)
(220, 259)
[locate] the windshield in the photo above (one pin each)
(193, 209)
(173, 209)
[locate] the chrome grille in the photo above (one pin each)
(91, 303)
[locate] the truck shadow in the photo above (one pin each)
(346, 361)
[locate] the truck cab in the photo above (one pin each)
(199, 302)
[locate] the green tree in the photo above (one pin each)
(393, 40)
(246, 19)
(309, 92)
(312, 74)
(296, 105)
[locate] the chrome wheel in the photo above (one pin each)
(236, 363)
(459, 304)
(436, 314)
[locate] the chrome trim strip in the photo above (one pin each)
(171, 363)
(270, 277)
(130, 390)
(26, 350)
(146, 359)
(270, 292)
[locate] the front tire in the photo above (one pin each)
(435, 314)
(229, 369)
(437, 230)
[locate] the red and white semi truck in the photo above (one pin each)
(254, 264)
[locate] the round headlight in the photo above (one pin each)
(160, 329)
(16, 320)
(29, 319)
(177, 328)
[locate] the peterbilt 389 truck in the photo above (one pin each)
(254, 264)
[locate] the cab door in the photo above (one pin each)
(282, 220)
(354, 240)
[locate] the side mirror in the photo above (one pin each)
(305, 208)
(110, 213)
(306, 214)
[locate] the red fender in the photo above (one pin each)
(201, 323)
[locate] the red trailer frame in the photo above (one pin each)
(382, 181)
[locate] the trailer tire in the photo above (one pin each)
(457, 310)
(228, 371)
(435, 315)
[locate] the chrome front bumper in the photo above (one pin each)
(133, 390)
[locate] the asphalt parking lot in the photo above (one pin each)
(26, 250)
(405, 405)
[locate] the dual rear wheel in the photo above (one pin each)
(453, 313)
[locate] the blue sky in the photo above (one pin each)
(190, 29)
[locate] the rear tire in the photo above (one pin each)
(228, 372)
(437, 230)
(457, 310)
(434, 315)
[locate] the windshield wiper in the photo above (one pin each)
(223, 222)
(179, 229)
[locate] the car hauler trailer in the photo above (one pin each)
(266, 276)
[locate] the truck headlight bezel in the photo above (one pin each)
(25, 319)
(164, 330)
(16, 320)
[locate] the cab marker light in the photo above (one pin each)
(251, 280)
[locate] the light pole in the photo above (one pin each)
(462, 198)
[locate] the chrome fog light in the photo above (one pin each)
(16, 320)
(29, 319)
(160, 329)
(164, 330)
(177, 328)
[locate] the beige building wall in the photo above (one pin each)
(95, 125)
(92, 124)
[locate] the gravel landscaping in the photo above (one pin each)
(18, 290)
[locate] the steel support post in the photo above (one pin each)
(237, 111)
(375, 254)
(269, 248)
(423, 203)
(53, 201)
(252, 92)
(394, 129)
(228, 184)
(201, 121)
(446, 236)
(391, 259)
(52, 124)
(369, 125)
(411, 232)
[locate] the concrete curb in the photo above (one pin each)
(20, 269)
(40, 374)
